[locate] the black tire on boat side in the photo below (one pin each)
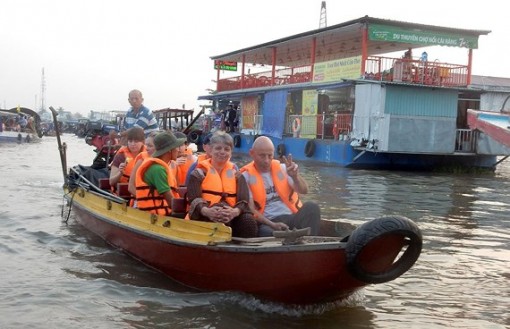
(375, 229)
(193, 137)
(280, 150)
(310, 148)
(237, 141)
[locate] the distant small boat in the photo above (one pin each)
(290, 267)
(12, 130)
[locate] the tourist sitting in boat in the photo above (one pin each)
(274, 188)
(22, 122)
(218, 193)
(149, 150)
(156, 184)
(122, 163)
(202, 156)
(185, 159)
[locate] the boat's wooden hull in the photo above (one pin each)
(311, 272)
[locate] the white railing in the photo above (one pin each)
(465, 141)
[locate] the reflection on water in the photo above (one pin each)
(60, 275)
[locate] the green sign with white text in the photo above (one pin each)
(420, 37)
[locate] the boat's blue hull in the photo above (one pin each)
(341, 153)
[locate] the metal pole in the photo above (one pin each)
(61, 147)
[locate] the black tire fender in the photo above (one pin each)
(376, 229)
(193, 137)
(280, 150)
(310, 148)
(237, 141)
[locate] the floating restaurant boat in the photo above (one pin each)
(340, 95)
(12, 131)
(291, 267)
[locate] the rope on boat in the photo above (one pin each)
(88, 185)
(70, 205)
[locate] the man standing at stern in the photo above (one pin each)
(139, 115)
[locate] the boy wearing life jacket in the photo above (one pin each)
(156, 184)
(274, 189)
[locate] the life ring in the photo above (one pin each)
(280, 150)
(310, 148)
(193, 137)
(296, 127)
(237, 141)
(383, 231)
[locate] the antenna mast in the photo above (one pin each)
(323, 22)
(43, 91)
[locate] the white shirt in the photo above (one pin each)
(274, 204)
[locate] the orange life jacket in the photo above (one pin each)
(216, 188)
(147, 197)
(141, 156)
(182, 170)
(201, 157)
(130, 163)
(281, 184)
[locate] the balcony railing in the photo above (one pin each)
(376, 68)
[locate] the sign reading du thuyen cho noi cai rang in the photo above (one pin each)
(420, 37)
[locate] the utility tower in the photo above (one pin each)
(43, 91)
(323, 22)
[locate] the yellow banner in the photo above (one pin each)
(249, 107)
(345, 68)
(309, 121)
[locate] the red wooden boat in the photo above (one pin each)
(290, 268)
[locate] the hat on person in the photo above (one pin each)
(179, 135)
(165, 142)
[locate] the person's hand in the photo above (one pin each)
(230, 213)
(279, 226)
(292, 167)
(181, 160)
(220, 214)
(122, 166)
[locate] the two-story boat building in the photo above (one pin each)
(340, 95)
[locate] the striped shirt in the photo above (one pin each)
(143, 119)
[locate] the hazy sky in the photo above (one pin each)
(94, 52)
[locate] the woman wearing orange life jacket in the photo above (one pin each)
(123, 163)
(218, 193)
(155, 182)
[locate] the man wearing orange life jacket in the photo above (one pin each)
(274, 188)
(155, 182)
(122, 163)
